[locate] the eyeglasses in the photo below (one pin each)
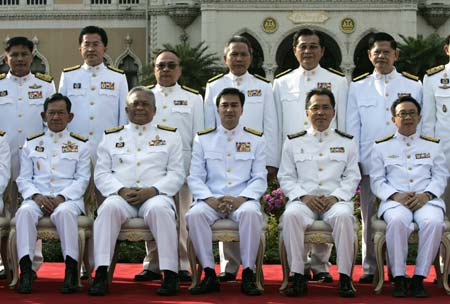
(404, 114)
(317, 108)
(88, 45)
(169, 65)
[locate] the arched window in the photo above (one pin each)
(258, 56)
(360, 57)
(131, 69)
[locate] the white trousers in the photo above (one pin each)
(298, 217)
(430, 220)
(159, 215)
(64, 217)
(368, 209)
(183, 202)
(201, 217)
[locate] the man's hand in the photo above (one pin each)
(328, 201)
(271, 173)
(214, 203)
(45, 203)
(417, 201)
(233, 201)
(402, 197)
(137, 196)
(314, 202)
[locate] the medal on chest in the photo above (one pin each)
(69, 147)
(157, 142)
(243, 146)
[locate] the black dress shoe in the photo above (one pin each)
(298, 287)
(70, 284)
(400, 287)
(170, 285)
(184, 276)
(227, 276)
(209, 284)
(26, 276)
(248, 285)
(416, 288)
(324, 277)
(147, 275)
(100, 285)
(366, 279)
(84, 276)
(345, 286)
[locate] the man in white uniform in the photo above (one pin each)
(409, 174)
(227, 178)
(368, 118)
(290, 90)
(330, 158)
(180, 107)
(5, 168)
(259, 114)
(139, 170)
(54, 174)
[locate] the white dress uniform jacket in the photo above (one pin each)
(5, 166)
(259, 108)
(98, 95)
(21, 103)
(290, 91)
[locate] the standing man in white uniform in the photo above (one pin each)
(139, 170)
(409, 174)
(330, 158)
(180, 107)
(369, 118)
(259, 114)
(290, 90)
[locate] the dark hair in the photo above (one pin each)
(447, 40)
(382, 36)
(14, 41)
(405, 99)
(305, 32)
(164, 51)
(238, 39)
(58, 97)
(231, 91)
(320, 92)
(92, 29)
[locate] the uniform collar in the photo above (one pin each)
(134, 128)
(237, 80)
(404, 138)
(95, 69)
(389, 76)
(234, 131)
(319, 134)
(312, 72)
(18, 79)
(166, 90)
(56, 135)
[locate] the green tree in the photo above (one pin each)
(198, 65)
(419, 54)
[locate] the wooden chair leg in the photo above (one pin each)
(379, 243)
(193, 263)
(284, 263)
(81, 245)
(12, 258)
(112, 267)
(446, 244)
(259, 263)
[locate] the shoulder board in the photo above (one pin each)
(216, 77)
(343, 134)
(206, 131)
(115, 69)
(357, 78)
(76, 67)
(384, 139)
(2, 133)
(44, 77)
(410, 76)
(35, 135)
(253, 131)
(190, 89)
(262, 78)
(2, 76)
(429, 138)
(336, 72)
(167, 128)
(150, 86)
(435, 70)
(114, 130)
(295, 135)
(283, 73)
(78, 136)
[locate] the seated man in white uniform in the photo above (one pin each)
(409, 174)
(54, 174)
(227, 178)
(319, 174)
(139, 169)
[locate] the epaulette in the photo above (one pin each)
(283, 73)
(253, 131)
(429, 138)
(435, 70)
(70, 69)
(78, 136)
(336, 72)
(166, 128)
(115, 69)
(295, 135)
(114, 130)
(206, 131)
(357, 78)
(44, 77)
(410, 76)
(150, 86)
(384, 139)
(190, 89)
(343, 134)
(2, 133)
(35, 135)
(216, 77)
(262, 78)
(2, 76)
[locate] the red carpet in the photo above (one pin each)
(124, 290)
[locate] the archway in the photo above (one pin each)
(360, 58)
(258, 56)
